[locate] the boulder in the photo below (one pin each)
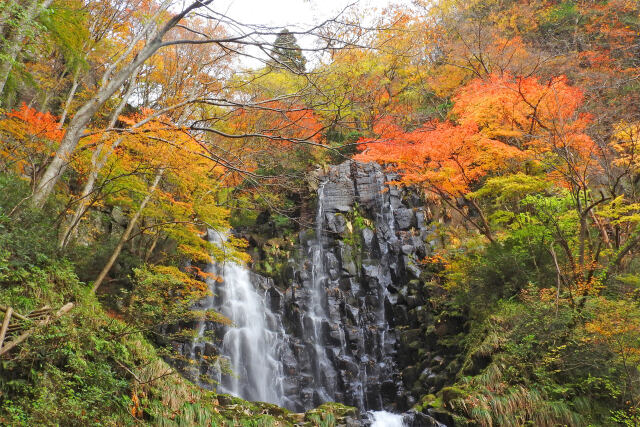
(274, 297)
(369, 184)
(367, 237)
(335, 222)
(414, 418)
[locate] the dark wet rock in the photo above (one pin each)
(408, 249)
(260, 282)
(331, 263)
(368, 236)
(421, 221)
(369, 181)
(412, 269)
(405, 218)
(210, 350)
(119, 217)
(441, 416)
(418, 419)
(336, 223)
(275, 299)
(339, 191)
(377, 332)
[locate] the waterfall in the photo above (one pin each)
(330, 330)
(324, 373)
(362, 366)
(252, 345)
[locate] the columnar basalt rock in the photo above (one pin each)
(365, 267)
(353, 320)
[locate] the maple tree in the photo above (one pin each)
(28, 139)
(499, 122)
(175, 201)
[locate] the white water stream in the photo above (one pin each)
(250, 347)
(386, 419)
(324, 371)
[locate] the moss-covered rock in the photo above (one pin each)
(450, 393)
(330, 414)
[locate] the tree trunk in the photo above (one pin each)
(59, 163)
(98, 160)
(83, 116)
(72, 94)
(97, 166)
(127, 232)
(12, 48)
(151, 248)
(582, 240)
(603, 231)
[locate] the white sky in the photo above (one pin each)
(290, 13)
(296, 15)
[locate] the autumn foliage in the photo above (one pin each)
(495, 123)
(28, 138)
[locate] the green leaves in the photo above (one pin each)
(511, 189)
(620, 211)
(66, 23)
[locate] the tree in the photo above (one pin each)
(112, 80)
(165, 197)
(157, 30)
(28, 139)
(171, 82)
(287, 53)
(500, 121)
(24, 16)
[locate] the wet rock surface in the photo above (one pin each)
(363, 269)
(354, 322)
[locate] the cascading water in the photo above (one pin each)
(329, 332)
(251, 346)
(324, 373)
(350, 360)
(386, 419)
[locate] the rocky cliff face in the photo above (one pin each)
(369, 242)
(351, 322)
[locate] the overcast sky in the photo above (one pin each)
(290, 13)
(293, 14)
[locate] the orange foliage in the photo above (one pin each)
(616, 324)
(268, 134)
(40, 125)
(28, 138)
(446, 158)
(505, 107)
(542, 119)
(499, 120)
(288, 123)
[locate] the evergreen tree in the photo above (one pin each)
(287, 52)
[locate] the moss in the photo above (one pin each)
(330, 414)
(429, 401)
(450, 393)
